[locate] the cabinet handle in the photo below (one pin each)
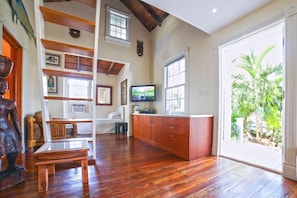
(172, 136)
(172, 127)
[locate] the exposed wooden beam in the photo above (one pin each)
(153, 14)
(110, 68)
(141, 13)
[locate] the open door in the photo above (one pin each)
(251, 98)
(12, 49)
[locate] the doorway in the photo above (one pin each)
(13, 50)
(251, 98)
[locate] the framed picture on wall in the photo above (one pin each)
(52, 84)
(52, 59)
(103, 95)
(124, 92)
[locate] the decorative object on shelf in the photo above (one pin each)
(10, 131)
(136, 108)
(52, 84)
(124, 92)
(74, 33)
(19, 13)
(52, 59)
(139, 48)
(6, 66)
(104, 95)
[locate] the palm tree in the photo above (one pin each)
(257, 91)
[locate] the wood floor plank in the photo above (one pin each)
(126, 167)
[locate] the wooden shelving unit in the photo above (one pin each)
(60, 18)
(44, 14)
(68, 74)
(67, 98)
(68, 121)
(64, 47)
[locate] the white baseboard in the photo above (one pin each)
(289, 171)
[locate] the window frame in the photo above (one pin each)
(112, 39)
(67, 85)
(185, 84)
(68, 104)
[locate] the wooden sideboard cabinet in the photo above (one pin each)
(189, 137)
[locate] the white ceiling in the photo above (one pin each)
(199, 12)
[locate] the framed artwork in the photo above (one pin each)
(52, 84)
(124, 92)
(52, 59)
(103, 95)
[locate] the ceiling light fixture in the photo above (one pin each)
(214, 10)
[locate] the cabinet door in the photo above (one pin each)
(176, 121)
(136, 126)
(157, 132)
(142, 128)
(147, 128)
(179, 145)
(176, 136)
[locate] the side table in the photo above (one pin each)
(121, 127)
(60, 151)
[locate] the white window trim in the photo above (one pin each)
(115, 40)
(167, 62)
(67, 105)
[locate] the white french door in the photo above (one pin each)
(240, 148)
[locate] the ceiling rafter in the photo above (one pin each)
(149, 16)
(154, 15)
(110, 68)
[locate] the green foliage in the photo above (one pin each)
(257, 96)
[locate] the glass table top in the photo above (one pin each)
(63, 145)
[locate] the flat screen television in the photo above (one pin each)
(143, 93)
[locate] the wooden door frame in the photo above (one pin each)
(16, 80)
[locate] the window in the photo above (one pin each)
(117, 26)
(175, 85)
(78, 88)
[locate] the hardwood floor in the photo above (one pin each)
(126, 167)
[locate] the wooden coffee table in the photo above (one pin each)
(60, 151)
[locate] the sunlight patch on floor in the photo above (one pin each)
(259, 155)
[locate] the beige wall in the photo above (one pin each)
(175, 36)
(138, 67)
(30, 95)
(110, 80)
(274, 12)
(165, 42)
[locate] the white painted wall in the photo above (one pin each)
(174, 36)
(111, 80)
(138, 70)
(273, 12)
(30, 95)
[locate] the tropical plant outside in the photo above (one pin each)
(257, 100)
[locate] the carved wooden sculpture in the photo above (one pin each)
(10, 131)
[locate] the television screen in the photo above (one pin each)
(141, 93)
